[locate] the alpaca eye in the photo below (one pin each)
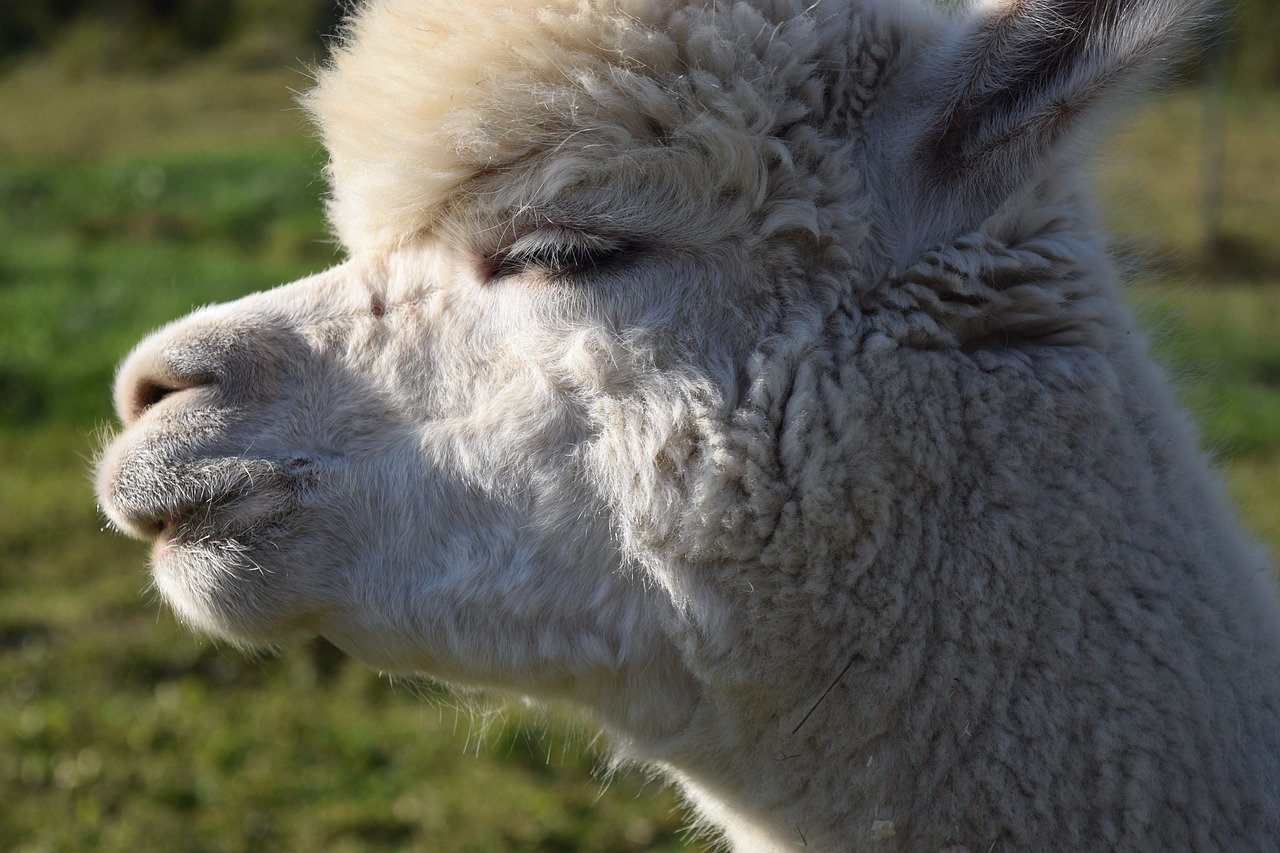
(556, 259)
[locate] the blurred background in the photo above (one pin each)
(152, 160)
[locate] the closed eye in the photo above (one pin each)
(555, 255)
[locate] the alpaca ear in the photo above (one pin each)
(1017, 87)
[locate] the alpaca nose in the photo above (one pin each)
(163, 365)
(140, 393)
(144, 380)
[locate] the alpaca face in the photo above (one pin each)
(392, 454)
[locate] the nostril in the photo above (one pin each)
(147, 391)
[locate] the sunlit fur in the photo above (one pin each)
(752, 376)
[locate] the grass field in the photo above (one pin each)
(122, 206)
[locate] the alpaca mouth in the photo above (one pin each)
(165, 528)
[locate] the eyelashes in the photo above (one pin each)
(556, 255)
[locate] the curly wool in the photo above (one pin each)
(944, 526)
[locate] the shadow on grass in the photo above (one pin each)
(1240, 258)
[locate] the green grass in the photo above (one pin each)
(100, 252)
(122, 206)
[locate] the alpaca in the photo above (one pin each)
(751, 375)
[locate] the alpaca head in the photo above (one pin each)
(651, 308)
